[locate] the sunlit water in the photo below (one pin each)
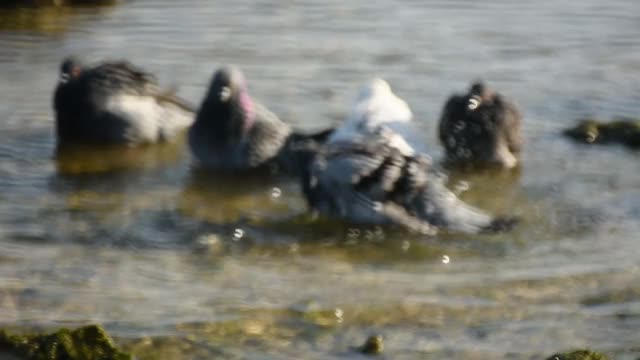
(179, 264)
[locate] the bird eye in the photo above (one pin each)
(225, 93)
(473, 104)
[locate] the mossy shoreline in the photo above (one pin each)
(86, 343)
(93, 343)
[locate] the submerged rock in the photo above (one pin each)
(621, 131)
(578, 355)
(373, 346)
(86, 343)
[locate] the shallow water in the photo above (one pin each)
(151, 249)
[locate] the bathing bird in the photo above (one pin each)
(115, 102)
(233, 132)
(481, 127)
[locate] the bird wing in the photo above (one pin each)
(266, 137)
(442, 208)
(449, 117)
(120, 76)
(362, 179)
(510, 119)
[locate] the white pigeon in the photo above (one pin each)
(377, 108)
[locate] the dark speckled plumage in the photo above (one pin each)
(115, 102)
(233, 132)
(369, 181)
(481, 127)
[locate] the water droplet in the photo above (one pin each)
(210, 244)
(238, 234)
(353, 233)
(313, 182)
(379, 232)
(445, 259)
(207, 240)
(377, 206)
(406, 245)
(460, 187)
(369, 235)
(276, 192)
(339, 315)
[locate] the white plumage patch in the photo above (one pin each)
(148, 119)
(377, 109)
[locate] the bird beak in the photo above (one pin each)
(225, 93)
(474, 102)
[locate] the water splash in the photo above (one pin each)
(353, 233)
(461, 187)
(339, 313)
(405, 245)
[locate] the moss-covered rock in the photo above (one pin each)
(373, 346)
(621, 131)
(86, 343)
(578, 355)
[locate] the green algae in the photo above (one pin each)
(86, 343)
(578, 355)
(623, 131)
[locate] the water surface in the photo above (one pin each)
(150, 248)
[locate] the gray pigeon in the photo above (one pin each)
(115, 103)
(372, 182)
(481, 128)
(234, 132)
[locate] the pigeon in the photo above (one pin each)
(115, 102)
(377, 106)
(234, 132)
(481, 128)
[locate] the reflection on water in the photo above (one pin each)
(18, 16)
(79, 160)
(219, 197)
(179, 263)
